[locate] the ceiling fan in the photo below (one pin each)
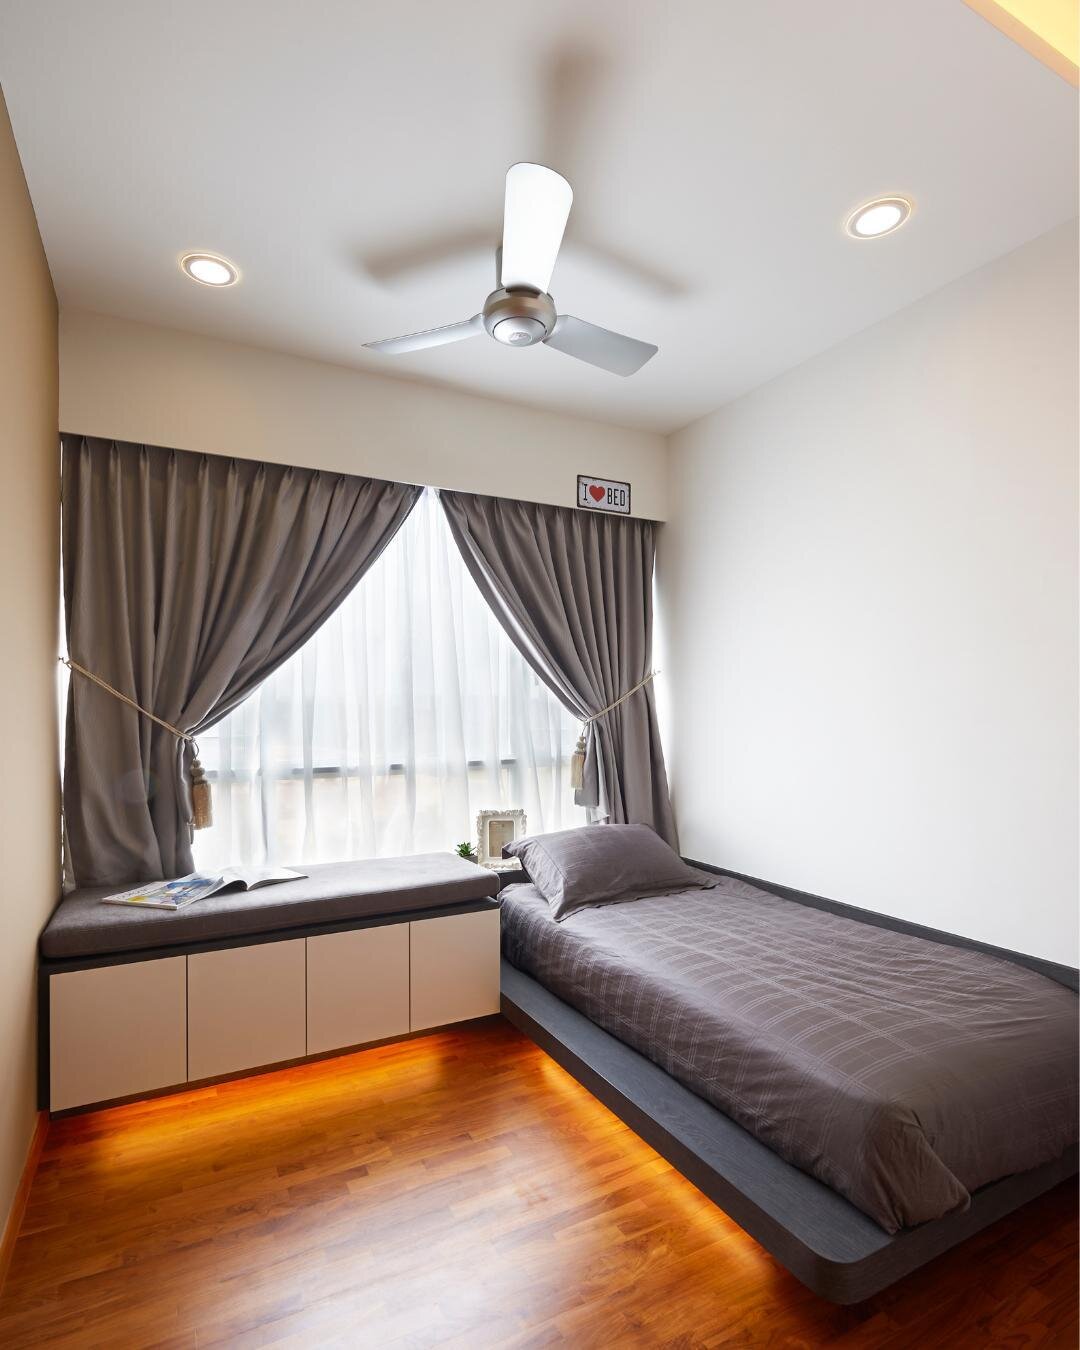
(520, 312)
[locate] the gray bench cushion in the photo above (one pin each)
(83, 926)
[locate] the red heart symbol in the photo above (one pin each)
(596, 492)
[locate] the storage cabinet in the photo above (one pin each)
(455, 968)
(357, 987)
(128, 1029)
(246, 1007)
(117, 1031)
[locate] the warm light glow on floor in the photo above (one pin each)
(1048, 29)
(459, 1189)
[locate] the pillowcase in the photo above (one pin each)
(602, 864)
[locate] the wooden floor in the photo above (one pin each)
(459, 1190)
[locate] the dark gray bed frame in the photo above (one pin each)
(828, 1244)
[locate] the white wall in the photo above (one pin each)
(869, 595)
(868, 582)
(29, 604)
(159, 386)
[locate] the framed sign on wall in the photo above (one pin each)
(603, 494)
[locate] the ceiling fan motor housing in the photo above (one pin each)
(519, 317)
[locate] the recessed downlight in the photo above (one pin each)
(209, 269)
(881, 216)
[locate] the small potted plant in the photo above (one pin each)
(467, 851)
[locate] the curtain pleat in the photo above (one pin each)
(573, 590)
(188, 579)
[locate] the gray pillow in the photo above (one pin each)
(602, 864)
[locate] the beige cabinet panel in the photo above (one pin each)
(357, 987)
(454, 968)
(246, 1007)
(116, 1031)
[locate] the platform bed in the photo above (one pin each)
(832, 1247)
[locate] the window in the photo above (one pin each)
(408, 712)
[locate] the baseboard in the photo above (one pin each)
(22, 1195)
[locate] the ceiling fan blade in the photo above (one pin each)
(534, 217)
(430, 337)
(599, 346)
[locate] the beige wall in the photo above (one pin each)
(868, 583)
(135, 382)
(29, 591)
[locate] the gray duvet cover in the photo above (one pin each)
(901, 1072)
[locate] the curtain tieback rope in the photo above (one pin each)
(577, 760)
(202, 812)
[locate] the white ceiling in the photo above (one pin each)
(349, 157)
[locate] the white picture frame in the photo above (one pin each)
(494, 829)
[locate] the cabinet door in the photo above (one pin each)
(454, 968)
(246, 1007)
(116, 1031)
(357, 987)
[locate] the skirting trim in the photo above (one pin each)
(22, 1195)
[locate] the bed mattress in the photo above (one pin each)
(901, 1072)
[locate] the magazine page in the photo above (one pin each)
(195, 886)
(169, 894)
(250, 878)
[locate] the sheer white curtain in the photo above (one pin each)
(408, 712)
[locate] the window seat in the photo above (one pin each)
(353, 954)
(81, 926)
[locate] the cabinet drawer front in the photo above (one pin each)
(357, 987)
(246, 1007)
(116, 1031)
(454, 968)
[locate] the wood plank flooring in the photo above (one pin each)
(457, 1190)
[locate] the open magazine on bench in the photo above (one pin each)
(185, 891)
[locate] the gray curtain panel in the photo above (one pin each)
(573, 590)
(188, 579)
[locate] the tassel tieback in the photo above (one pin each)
(577, 759)
(202, 803)
(202, 807)
(577, 764)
